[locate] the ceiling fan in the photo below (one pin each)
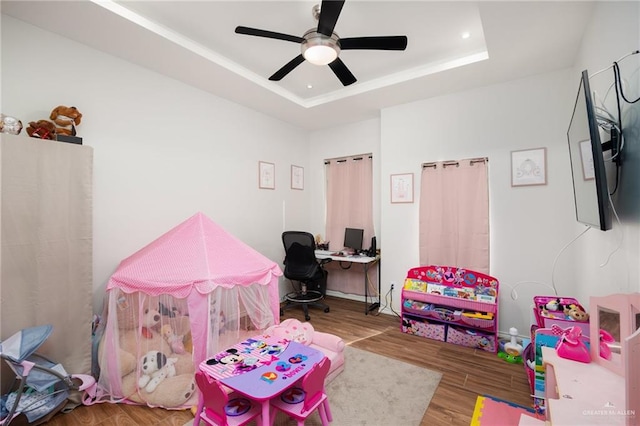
(321, 46)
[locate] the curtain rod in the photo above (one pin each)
(455, 163)
(344, 159)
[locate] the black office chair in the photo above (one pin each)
(301, 265)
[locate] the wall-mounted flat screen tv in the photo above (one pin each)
(590, 190)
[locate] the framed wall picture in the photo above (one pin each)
(529, 167)
(297, 177)
(266, 175)
(402, 188)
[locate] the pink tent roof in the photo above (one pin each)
(197, 253)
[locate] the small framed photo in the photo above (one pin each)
(402, 188)
(586, 155)
(266, 175)
(297, 177)
(529, 167)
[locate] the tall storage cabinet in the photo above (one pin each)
(46, 245)
(451, 305)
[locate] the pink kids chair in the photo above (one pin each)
(299, 403)
(218, 408)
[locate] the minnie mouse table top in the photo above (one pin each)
(262, 367)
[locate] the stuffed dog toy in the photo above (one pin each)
(155, 368)
(138, 335)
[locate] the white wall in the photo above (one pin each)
(528, 225)
(162, 150)
(352, 139)
(532, 228)
(613, 33)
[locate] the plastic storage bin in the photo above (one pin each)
(546, 318)
(529, 359)
(471, 338)
(424, 328)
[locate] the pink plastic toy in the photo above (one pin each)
(571, 346)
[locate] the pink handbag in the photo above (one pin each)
(571, 345)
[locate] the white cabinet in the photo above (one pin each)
(47, 245)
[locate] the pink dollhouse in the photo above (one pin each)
(606, 390)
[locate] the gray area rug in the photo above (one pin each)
(374, 390)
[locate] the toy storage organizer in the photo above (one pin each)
(548, 316)
(452, 305)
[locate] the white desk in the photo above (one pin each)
(366, 262)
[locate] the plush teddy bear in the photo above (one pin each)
(138, 335)
(576, 313)
(42, 129)
(155, 368)
(66, 119)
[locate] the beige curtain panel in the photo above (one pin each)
(454, 214)
(349, 205)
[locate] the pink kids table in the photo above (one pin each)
(260, 368)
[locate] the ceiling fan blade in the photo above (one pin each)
(342, 72)
(278, 75)
(329, 12)
(268, 34)
(374, 43)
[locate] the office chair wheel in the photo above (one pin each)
(307, 318)
(326, 310)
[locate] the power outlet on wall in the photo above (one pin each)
(393, 284)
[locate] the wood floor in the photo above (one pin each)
(467, 373)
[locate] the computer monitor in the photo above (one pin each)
(353, 239)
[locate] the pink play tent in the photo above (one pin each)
(189, 294)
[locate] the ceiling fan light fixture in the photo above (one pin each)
(320, 55)
(322, 46)
(319, 49)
